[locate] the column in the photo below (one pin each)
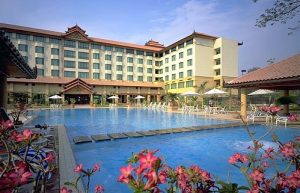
(244, 103)
(47, 93)
(286, 107)
(91, 98)
(158, 98)
(127, 99)
(3, 91)
(148, 98)
(29, 91)
(63, 98)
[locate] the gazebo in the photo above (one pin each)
(283, 75)
(12, 65)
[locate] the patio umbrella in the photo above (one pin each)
(261, 92)
(215, 93)
(113, 97)
(190, 94)
(139, 97)
(55, 97)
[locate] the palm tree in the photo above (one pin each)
(201, 89)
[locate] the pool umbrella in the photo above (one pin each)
(55, 97)
(215, 93)
(262, 92)
(190, 94)
(138, 98)
(113, 97)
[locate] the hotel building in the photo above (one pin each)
(75, 65)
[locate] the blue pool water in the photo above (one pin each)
(210, 149)
(116, 120)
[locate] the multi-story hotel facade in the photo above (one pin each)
(75, 65)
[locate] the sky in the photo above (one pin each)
(166, 21)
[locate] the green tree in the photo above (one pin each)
(200, 89)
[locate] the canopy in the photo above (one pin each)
(215, 92)
(190, 94)
(55, 97)
(139, 97)
(113, 97)
(261, 92)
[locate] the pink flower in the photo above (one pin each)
(125, 174)
(265, 164)
(237, 157)
(27, 133)
(288, 150)
(50, 157)
(269, 153)
(293, 117)
(151, 180)
(162, 176)
(147, 161)
(96, 167)
(78, 168)
(25, 177)
(65, 190)
(99, 189)
(257, 176)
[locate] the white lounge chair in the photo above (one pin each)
(257, 115)
(280, 119)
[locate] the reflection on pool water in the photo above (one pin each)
(210, 149)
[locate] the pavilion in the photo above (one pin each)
(283, 75)
(12, 65)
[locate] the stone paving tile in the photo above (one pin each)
(100, 137)
(133, 134)
(82, 139)
(146, 133)
(117, 135)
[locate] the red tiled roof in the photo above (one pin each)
(59, 34)
(285, 69)
(64, 80)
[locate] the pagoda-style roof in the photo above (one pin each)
(283, 75)
(78, 83)
(77, 33)
(154, 44)
(12, 63)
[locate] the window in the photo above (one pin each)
(130, 68)
(119, 49)
(69, 54)
(173, 67)
(83, 65)
(149, 53)
(40, 72)
(140, 78)
(23, 47)
(181, 85)
(149, 62)
(166, 69)
(173, 76)
(140, 69)
(173, 86)
(96, 75)
(189, 52)
(8, 34)
(107, 66)
(173, 57)
(25, 58)
(39, 60)
(70, 43)
(119, 77)
(180, 55)
(108, 76)
(149, 70)
(83, 75)
(130, 78)
(166, 60)
(129, 51)
(83, 45)
(119, 58)
(54, 51)
(180, 74)
(189, 83)
(39, 39)
(83, 55)
(190, 62)
(189, 42)
(107, 57)
(96, 46)
(180, 46)
(218, 61)
(119, 68)
(167, 78)
(55, 62)
(22, 36)
(140, 61)
(96, 65)
(108, 48)
(189, 73)
(129, 59)
(149, 79)
(39, 49)
(55, 73)
(180, 64)
(173, 49)
(138, 52)
(218, 51)
(96, 56)
(69, 64)
(69, 74)
(54, 41)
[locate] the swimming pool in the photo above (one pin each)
(117, 120)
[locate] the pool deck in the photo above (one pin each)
(116, 136)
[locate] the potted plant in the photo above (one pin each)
(129, 102)
(72, 101)
(171, 99)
